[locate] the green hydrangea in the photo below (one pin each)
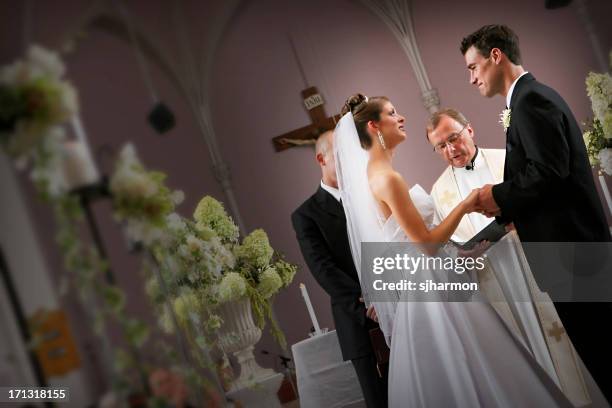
(255, 249)
(210, 214)
(594, 141)
(114, 298)
(269, 282)
(206, 233)
(153, 290)
(165, 321)
(214, 322)
(286, 271)
(599, 89)
(607, 125)
(233, 286)
(184, 305)
(587, 136)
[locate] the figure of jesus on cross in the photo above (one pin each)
(313, 101)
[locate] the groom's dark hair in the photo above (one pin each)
(494, 36)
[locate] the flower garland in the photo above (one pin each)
(200, 262)
(35, 102)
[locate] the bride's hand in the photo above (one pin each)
(471, 202)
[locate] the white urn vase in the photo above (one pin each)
(238, 335)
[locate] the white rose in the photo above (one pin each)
(45, 62)
(194, 244)
(14, 73)
(135, 184)
(175, 222)
(605, 160)
(128, 154)
(178, 197)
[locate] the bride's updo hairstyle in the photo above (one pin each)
(364, 109)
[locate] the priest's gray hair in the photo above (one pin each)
(436, 117)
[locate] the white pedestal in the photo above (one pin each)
(261, 394)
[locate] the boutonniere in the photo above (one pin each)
(504, 119)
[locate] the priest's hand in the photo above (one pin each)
(486, 202)
(371, 313)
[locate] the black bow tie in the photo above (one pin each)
(471, 165)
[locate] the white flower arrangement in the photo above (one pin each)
(598, 132)
(139, 193)
(233, 286)
(35, 98)
(129, 179)
(605, 160)
(47, 170)
(247, 269)
(504, 118)
(599, 89)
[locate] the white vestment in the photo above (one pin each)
(539, 327)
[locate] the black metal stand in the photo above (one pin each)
(88, 195)
(22, 323)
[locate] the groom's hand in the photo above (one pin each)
(486, 201)
(371, 313)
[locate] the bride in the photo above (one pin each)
(443, 354)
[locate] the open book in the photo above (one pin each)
(492, 233)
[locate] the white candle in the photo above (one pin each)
(79, 168)
(604, 188)
(311, 312)
(79, 131)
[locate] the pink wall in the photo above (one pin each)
(256, 95)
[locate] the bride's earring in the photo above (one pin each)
(381, 140)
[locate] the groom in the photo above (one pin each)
(470, 166)
(548, 191)
(320, 227)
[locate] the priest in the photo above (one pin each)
(530, 314)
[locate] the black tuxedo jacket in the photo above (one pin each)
(548, 189)
(320, 227)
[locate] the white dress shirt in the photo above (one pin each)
(509, 96)
(467, 180)
(331, 190)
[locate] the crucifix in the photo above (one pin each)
(313, 102)
(556, 331)
(448, 198)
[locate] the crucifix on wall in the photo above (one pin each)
(313, 101)
(314, 104)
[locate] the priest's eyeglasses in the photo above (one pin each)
(452, 139)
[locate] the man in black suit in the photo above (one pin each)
(320, 227)
(548, 191)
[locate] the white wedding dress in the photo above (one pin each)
(443, 354)
(459, 354)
